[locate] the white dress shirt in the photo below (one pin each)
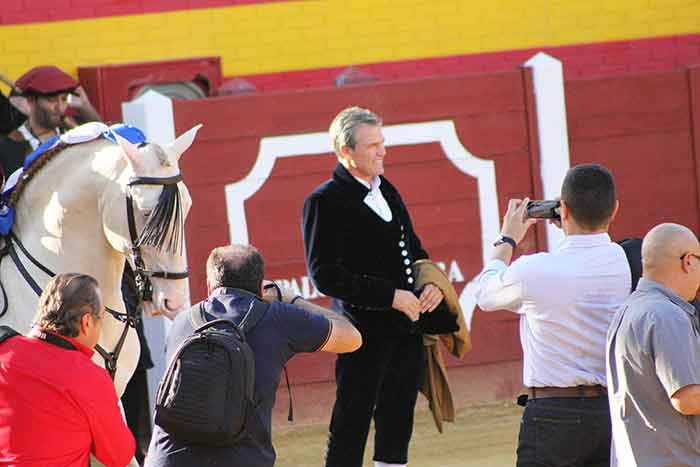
(375, 199)
(566, 300)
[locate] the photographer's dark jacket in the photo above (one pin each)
(357, 257)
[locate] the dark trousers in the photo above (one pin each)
(379, 380)
(137, 412)
(571, 432)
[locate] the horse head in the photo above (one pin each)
(154, 202)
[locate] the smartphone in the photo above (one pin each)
(543, 209)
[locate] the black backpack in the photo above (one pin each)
(207, 393)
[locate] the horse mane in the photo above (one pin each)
(164, 229)
(33, 168)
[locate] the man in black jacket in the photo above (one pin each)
(360, 245)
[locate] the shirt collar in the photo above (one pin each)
(230, 291)
(649, 285)
(343, 177)
(82, 348)
(373, 184)
(585, 241)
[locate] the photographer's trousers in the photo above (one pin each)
(380, 380)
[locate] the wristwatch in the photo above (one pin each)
(505, 239)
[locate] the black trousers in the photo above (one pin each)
(380, 380)
(571, 432)
(136, 410)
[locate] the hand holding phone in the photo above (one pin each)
(543, 209)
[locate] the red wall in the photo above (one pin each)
(642, 127)
(639, 126)
(34, 11)
(579, 60)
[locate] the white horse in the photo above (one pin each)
(71, 216)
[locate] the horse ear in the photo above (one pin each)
(183, 142)
(131, 151)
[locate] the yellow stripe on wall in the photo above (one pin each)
(288, 36)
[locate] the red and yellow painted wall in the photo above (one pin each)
(642, 127)
(279, 44)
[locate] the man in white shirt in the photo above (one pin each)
(566, 300)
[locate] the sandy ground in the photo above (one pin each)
(484, 435)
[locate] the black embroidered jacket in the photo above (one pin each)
(355, 256)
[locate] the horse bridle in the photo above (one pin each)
(141, 274)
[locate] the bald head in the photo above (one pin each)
(665, 244)
(237, 266)
(667, 257)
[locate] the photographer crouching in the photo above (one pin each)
(566, 300)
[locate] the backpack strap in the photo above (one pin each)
(257, 310)
(197, 315)
(6, 332)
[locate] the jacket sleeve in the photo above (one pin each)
(324, 250)
(112, 442)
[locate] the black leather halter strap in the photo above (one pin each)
(141, 274)
(129, 319)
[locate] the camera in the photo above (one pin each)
(544, 209)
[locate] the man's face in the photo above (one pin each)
(366, 160)
(48, 110)
(94, 331)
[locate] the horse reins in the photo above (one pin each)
(129, 319)
(141, 274)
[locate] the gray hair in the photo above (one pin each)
(344, 126)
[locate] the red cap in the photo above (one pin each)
(45, 80)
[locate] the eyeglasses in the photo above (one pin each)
(689, 254)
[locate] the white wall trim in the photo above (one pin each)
(552, 131)
(304, 144)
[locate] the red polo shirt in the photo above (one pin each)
(57, 406)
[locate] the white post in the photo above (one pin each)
(550, 103)
(152, 113)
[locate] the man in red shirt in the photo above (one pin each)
(56, 405)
